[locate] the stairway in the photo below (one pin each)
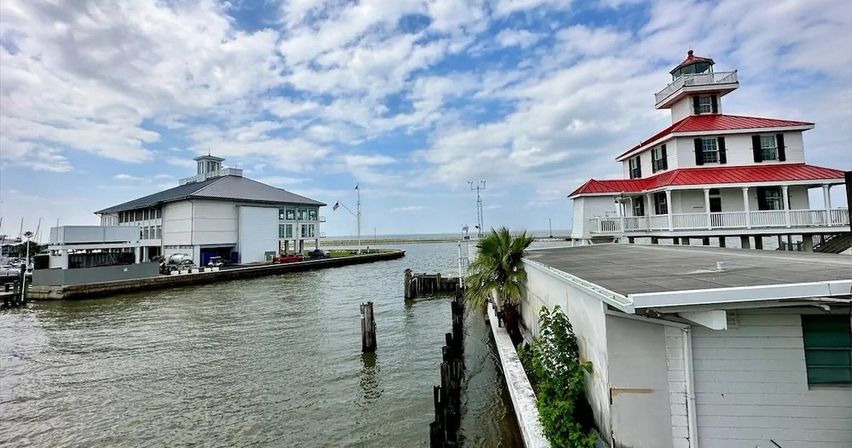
(835, 244)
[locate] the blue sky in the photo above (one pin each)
(105, 101)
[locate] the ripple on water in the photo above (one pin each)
(272, 361)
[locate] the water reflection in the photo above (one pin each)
(370, 373)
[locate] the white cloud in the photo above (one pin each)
(517, 38)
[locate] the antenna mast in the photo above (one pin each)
(478, 186)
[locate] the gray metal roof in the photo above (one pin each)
(635, 268)
(226, 187)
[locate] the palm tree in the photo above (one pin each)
(496, 272)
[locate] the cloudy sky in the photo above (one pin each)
(105, 101)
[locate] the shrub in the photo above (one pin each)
(553, 364)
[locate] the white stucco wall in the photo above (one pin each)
(682, 109)
(587, 207)
(258, 233)
(578, 222)
(751, 386)
(586, 314)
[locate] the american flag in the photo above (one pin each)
(335, 207)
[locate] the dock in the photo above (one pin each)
(419, 284)
(100, 289)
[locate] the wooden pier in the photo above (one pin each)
(420, 284)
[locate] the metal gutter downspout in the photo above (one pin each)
(690, 387)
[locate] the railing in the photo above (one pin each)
(769, 218)
(721, 221)
(696, 79)
(689, 221)
(728, 220)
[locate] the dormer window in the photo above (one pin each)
(635, 168)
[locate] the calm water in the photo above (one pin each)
(274, 361)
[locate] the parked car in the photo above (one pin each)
(319, 253)
(216, 262)
(176, 262)
(291, 258)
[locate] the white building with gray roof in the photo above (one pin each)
(706, 347)
(218, 212)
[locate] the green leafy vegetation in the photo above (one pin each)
(497, 271)
(552, 362)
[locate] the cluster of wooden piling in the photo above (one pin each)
(15, 293)
(368, 328)
(444, 431)
(419, 284)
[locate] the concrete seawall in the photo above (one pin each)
(90, 290)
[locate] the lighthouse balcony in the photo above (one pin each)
(722, 82)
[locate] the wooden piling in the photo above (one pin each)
(368, 328)
(444, 431)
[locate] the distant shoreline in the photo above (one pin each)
(347, 241)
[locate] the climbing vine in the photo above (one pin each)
(552, 362)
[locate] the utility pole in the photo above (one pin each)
(550, 225)
(478, 186)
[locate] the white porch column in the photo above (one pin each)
(707, 207)
(649, 207)
(826, 201)
(786, 199)
(669, 209)
(746, 207)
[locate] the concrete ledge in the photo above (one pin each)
(520, 389)
(90, 290)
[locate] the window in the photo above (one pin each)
(312, 214)
(145, 233)
(159, 232)
(709, 150)
(705, 105)
(635, 168)
(639, 206)
(308, 231)
(768, 147)
(828, 348)
(291, 214)
(770, 198)
(303, 214)
(658, 159)
(285, 231)
(661, 206)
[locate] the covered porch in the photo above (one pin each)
(673, 210)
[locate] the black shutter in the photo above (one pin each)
(723, 157)
(665, 158)
(699, 152)
(782, 153)
(695, 106)
(714, 104)
(761, 198)
(755, 148)
(638, 167)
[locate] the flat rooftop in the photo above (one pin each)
(629, 269)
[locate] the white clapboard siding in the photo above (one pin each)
(751, 386)
(677, 387)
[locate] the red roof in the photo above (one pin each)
(711, 176)
(717, 122)
(691, 59)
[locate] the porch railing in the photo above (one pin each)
(721, 221)
(696, 79)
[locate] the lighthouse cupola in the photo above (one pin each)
(696, 88)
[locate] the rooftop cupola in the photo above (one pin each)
(210, 166)
(695, 77)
